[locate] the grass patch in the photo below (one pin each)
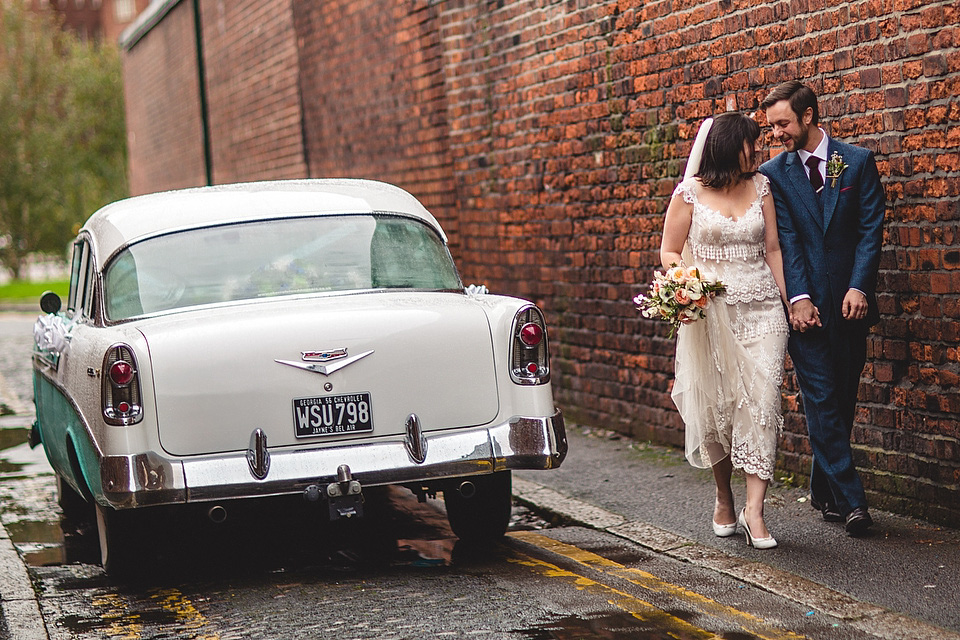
(22, 291)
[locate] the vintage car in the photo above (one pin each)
(294, 337)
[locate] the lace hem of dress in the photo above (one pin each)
(752, 462)
(752, 458)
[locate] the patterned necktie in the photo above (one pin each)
(816, 180)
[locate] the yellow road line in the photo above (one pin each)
(747, 621)
(636, 607)
(122, 625)
(172, 600)
(126, 625)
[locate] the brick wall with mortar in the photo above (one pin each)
(377, 70)
(253, 93)
(548, 135)
(162, 96)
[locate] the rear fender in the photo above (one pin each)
(66, 437)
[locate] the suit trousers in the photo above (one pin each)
(828, 362)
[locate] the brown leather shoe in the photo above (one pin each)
(858, 522)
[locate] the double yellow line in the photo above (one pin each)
(634, 606)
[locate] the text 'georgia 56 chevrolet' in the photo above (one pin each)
(295, 337)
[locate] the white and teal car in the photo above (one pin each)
(294, 337)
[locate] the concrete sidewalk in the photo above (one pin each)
(902, 582)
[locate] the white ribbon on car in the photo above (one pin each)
(50, 333)
(476, 289)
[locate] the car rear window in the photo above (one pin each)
(276, 258)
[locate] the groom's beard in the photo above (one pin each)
(792, 143)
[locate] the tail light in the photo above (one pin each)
(121, 387)
(529, 358)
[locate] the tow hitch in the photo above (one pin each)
(344, 497)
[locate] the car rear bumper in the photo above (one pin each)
(150, 479)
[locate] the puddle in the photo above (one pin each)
(17, 459)
(46, 543)
(11, 437)
(43, 556)
(425, 553)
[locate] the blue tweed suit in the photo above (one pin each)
(831, 243)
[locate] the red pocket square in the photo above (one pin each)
(845, 189)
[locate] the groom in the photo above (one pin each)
(830, 208)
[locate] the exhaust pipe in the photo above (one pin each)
(467, 489)
(217, 514)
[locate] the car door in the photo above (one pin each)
(66, 387)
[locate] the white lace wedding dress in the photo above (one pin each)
(729, 366)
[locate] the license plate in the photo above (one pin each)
(332, 415)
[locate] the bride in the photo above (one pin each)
(729, 366)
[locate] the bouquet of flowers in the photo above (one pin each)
(679, 295)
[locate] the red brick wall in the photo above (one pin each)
(250, 54)
(372, 75)
(548, 136)
(162, 95)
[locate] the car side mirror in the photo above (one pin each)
(50, 302)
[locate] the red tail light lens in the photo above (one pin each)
(531, 334)
(121, 373)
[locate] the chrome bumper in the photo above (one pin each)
(149, 479)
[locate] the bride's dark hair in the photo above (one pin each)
(720, 163)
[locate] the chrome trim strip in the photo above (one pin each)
(519, 443)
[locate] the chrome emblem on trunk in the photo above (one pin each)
(323, 356)
(325, 369)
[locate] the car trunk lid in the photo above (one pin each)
(326, 365)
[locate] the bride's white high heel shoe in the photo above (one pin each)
(724, 530)
(756, 543)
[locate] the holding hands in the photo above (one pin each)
(804, 315)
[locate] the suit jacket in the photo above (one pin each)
(829, 249)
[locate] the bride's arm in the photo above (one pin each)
(774, 257)
(676, 226)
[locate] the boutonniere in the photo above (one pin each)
(835, 167)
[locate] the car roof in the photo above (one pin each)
(126, 221)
